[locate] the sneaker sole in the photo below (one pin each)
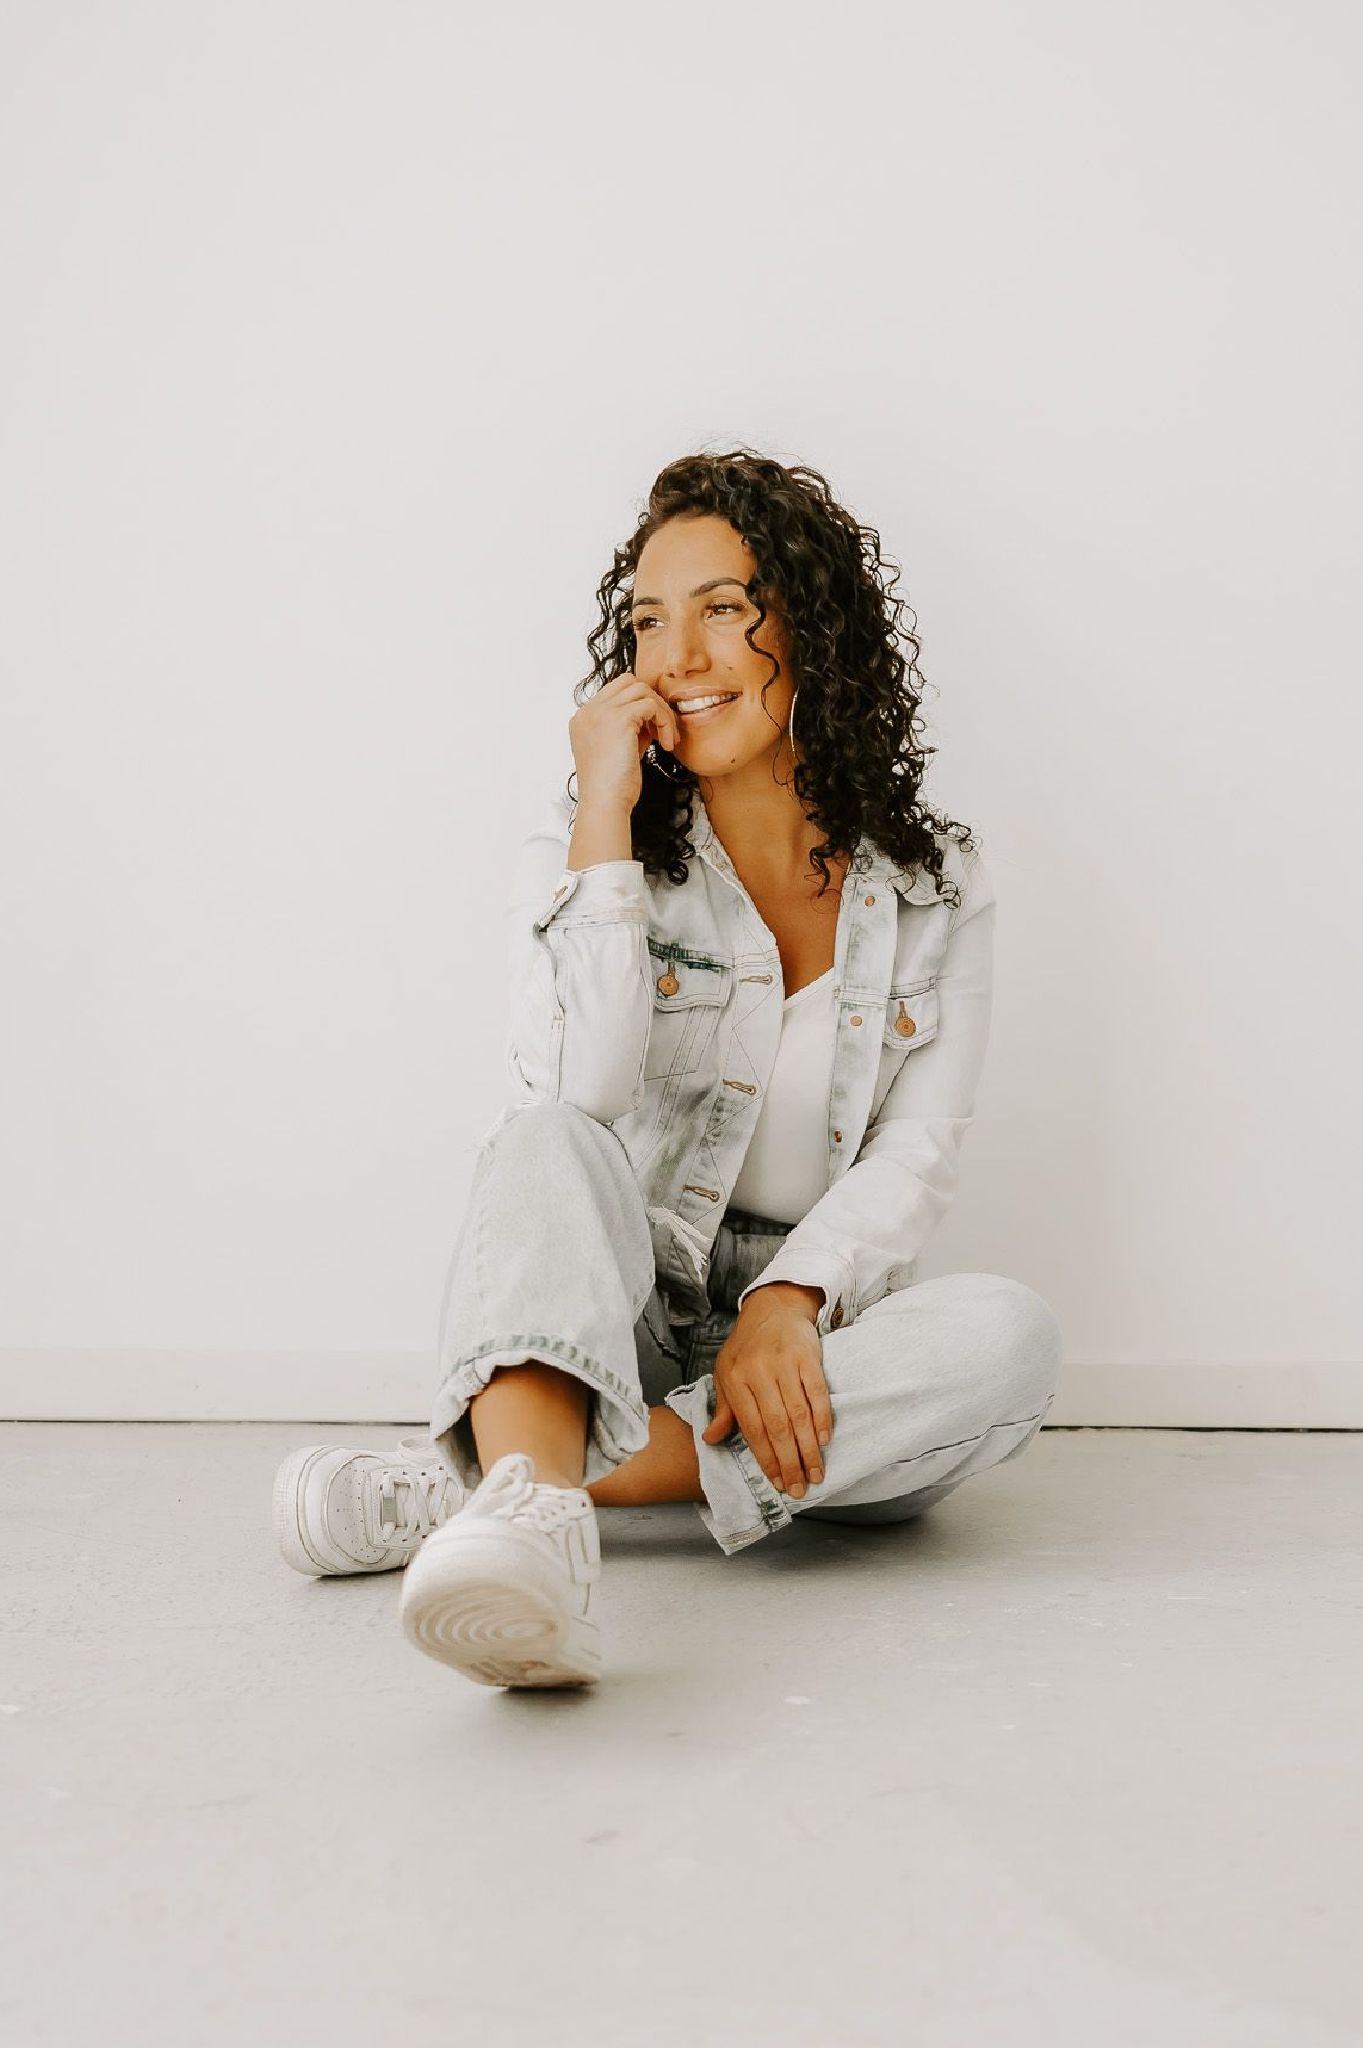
(488, 1611)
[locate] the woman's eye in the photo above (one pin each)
(721, 605)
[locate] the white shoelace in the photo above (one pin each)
(512, 1493)
(407, 1501)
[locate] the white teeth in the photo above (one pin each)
(702, 703)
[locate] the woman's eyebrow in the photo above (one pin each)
(699, 590)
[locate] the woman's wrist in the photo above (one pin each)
(789, 1294)
(600, 832)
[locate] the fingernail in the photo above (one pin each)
(798, 1488)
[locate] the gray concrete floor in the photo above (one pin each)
(1075, 1758)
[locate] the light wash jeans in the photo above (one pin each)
(554, 1261)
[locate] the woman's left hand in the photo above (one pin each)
(769, 1383)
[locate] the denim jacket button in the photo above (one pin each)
(668, 984)
(836, 1318)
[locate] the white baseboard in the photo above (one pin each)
(398, 1387)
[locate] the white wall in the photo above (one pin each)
(340, 345)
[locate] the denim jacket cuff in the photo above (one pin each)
(609, 892)
(813, 1269)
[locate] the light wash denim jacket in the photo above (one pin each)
(657, 1010)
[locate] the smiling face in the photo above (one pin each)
(690, 613)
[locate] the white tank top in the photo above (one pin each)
(785, 1169)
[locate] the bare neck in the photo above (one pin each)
(769, 840)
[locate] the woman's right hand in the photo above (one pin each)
(609, 734)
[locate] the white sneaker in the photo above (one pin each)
(504, 1592)
(338, 1510)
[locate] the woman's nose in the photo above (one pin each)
(684, 652)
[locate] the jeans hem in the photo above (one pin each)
(731, 1479)
(618, 1418)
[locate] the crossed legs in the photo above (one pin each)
(930, 1383)
(540, 1409)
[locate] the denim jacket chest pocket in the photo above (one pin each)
(910, 1022)
(690, 990)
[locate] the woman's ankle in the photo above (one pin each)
(537, 1408)
(548, 1475)
(667, 1469)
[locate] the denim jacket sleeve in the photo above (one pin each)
(579, 992)
(862, 1237)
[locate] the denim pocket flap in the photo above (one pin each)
(680, 982)
(911, 1015)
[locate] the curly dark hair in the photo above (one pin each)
(860, 761)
